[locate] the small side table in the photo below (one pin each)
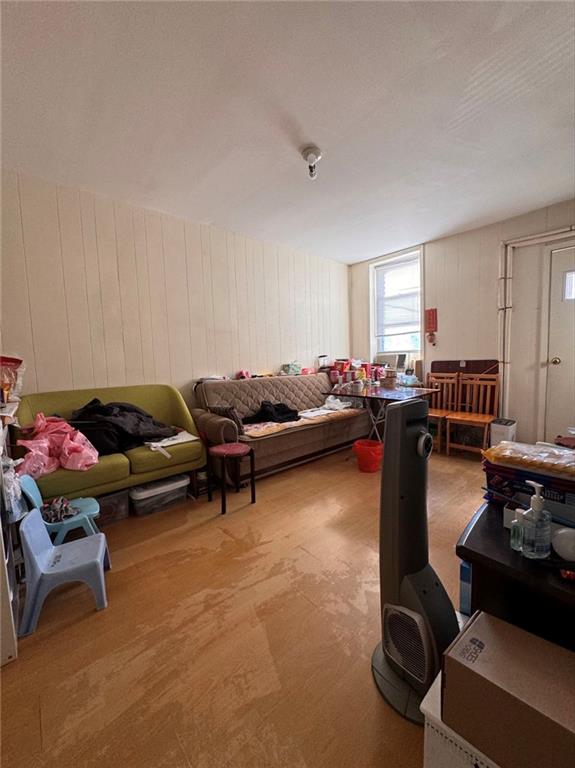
(511, 587)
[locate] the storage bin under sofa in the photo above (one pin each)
(283, 449)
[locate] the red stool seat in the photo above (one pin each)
(232, 450)
(234, 453)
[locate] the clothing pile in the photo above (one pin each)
(54, 443)
(58, 510)
(118, 427)
(331, 404)
(276, 412)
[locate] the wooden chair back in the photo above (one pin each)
(478, 393)
(446, 385)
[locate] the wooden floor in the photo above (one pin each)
(238, 641)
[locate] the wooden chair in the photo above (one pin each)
(443, 402)
(478, 401)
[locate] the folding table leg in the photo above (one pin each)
(376, 410)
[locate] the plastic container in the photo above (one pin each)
(149, 498)
(113, 507)
(369, 454)
(536, 524)
(502, 429)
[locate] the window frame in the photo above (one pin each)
(410, 254)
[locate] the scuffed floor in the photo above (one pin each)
(242, 640)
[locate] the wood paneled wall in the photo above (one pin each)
(460, 279)
(96, 292)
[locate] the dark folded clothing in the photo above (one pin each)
(106, 438)
(117, 427)
(278, 412)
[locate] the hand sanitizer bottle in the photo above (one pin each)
(536, 526)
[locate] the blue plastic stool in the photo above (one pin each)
(87, 510)
(48, 566)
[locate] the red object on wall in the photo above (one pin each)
(431, 320)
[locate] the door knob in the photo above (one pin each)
(555, 361)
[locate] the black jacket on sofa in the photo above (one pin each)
(117, 427)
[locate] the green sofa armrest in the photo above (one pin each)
(181, 416)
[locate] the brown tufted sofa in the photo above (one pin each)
(284, 449)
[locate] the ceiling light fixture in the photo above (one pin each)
(312, 155)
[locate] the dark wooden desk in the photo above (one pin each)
(513, 588)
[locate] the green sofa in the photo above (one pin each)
(119, 470)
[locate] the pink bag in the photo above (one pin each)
(55, 443)
(37, 461)
(77, 452)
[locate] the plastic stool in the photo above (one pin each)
(48, 566)
(86, 511)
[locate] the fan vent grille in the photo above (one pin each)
(403, 641)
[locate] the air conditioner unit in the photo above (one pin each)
(396, 361)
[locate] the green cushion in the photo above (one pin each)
(143, 459)
(65, 481)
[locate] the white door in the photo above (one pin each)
(560, 398)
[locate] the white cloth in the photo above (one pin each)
(313, 413)
(181, 437)
(335, 404)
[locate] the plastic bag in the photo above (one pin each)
(37, 461)
(54, 443)
(542, 457)
(77, 452)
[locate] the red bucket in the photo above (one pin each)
(369, 454)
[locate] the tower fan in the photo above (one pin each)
(418, 620)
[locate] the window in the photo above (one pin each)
(569, 287)
(397, 305)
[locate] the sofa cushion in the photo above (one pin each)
(298, 392)
(229, 412)
(293, 445)
(265, 429)
(143, 459)
(109, 469)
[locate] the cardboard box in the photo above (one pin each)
(443, 748)
(510, 694)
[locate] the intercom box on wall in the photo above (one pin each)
(510, 694)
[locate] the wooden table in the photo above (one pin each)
(378, 399)
(512, 587)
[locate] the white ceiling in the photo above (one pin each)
(433, 117)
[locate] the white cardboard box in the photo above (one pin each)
(443, 747)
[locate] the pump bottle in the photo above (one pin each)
(536, 526)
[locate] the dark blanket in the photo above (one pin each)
(278, 412)
(117, 427)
